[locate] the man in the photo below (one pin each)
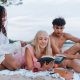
(58, 38)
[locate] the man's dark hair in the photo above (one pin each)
(59, 21)
(46, 60)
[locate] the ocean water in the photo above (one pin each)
(34, 15)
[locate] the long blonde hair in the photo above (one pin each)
(48, 50)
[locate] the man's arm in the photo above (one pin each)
(72, 38)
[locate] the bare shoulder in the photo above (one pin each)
(67, 35)
(29, 48)
(71, 37)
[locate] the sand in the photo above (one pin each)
(23, 74)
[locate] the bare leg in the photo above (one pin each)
(74, 49)
(75, 64)
(72, 53)
(10, 63)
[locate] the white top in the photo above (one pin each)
(3, 41)
(8, 48)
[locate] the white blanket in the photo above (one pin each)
(31, 74)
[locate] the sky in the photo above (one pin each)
(34, 15)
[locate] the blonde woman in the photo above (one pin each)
(39, 47)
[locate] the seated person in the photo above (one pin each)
(58, 38)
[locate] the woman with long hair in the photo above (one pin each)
(6, 59)
(39, 47)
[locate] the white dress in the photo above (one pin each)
(3, 41)
(9, 48)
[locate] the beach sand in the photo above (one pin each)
(23, 74)
(19, 77)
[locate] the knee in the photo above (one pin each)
(76, 65)
(77, 45)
